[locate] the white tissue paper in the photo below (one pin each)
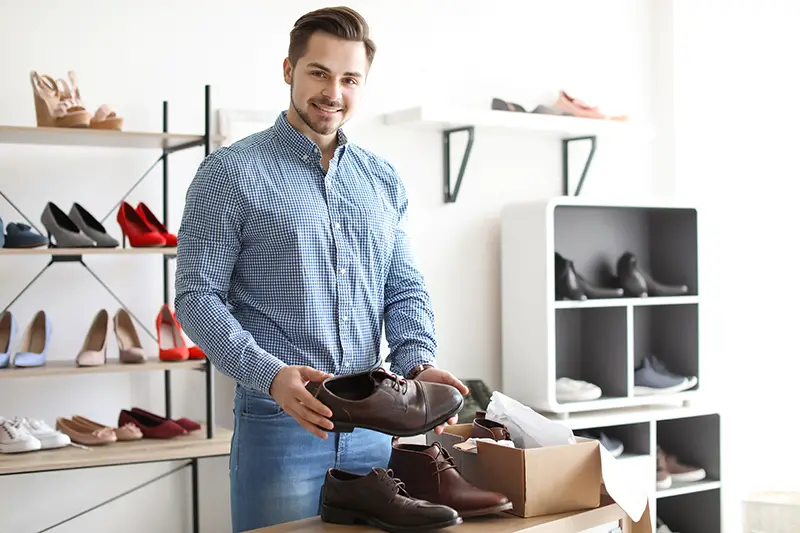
(528, 428)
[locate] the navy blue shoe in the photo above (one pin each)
(2, 235)
(22, 236)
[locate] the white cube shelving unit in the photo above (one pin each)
(601, 341)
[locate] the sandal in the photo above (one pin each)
(104, 118)
(55, 108)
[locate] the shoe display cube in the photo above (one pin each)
(598, 340)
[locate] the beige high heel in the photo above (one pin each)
(130, 347)
(93, 351)
(55, 108)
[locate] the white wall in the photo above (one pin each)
(135, 55)
(736, 148)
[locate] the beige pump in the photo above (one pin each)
(130, 347)
(93, 351)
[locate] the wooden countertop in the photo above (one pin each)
(560, 523)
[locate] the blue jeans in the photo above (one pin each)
(277, 468)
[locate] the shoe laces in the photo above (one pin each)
(399, 383)
(443, 460)
(395, 484)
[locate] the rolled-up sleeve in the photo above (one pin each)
(209, 241)
(408, 311)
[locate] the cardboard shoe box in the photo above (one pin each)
(548, 480)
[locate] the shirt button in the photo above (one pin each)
(328, 182)
(337, 226)
(347, 364)
(345, 318)
(305, 157)
(341, 271)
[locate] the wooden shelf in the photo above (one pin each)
(623, 302)
(60, 368)
(88, 251)
(96, 138)
(194, 445)
(443, 117)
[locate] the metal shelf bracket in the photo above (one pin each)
(565, 163)
(451, 193)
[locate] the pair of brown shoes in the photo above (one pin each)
(421, 490)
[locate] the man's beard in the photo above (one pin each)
(321, 128)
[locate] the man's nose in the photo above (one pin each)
(333, 89)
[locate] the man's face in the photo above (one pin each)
(326, 83)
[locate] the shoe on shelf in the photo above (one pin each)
(62, 229)
(8, 337)
(636, 282)
(14, 438)
(136, 230)
(614, 446)
(130, 346)
(379, 499)
(679, 471)
(570, 285)
(20, 235)
(663, 477)
(156, 225)
(91, 227)
(652, 377)
(56, 105)
(94, 349)
(151, 428)
(171, 343)
(35, 342)
(104, 117)
(576, 390)
(123, 433)
(365, 400)
(662, 527)
(2, 235)
(579, 108)
(49, 437)
(185, 423)
(87, 436)
(430, 473)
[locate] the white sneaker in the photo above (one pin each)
(15, 438)
(575, 390)
(49, 437)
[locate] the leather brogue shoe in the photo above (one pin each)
(384, 402)
(483, 428)
(380, 500)
(429, 473)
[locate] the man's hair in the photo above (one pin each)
(342, 22)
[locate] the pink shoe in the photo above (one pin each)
(579, 108)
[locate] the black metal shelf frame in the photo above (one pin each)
(451, 190)
(204, 142)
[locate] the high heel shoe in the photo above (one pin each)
(130, 346)
(104, 117)
(56, 107)
(171, 344)
(35, 342)
(91, 227)
(136, 230)
(152, 220)
(8, 335)
(570, 285)
(638, 283)
(93, 352)
(61, 229)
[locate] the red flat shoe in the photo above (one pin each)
(136, 230)
(185, 423)
(171, 344)
(156, 225)
(152, 428)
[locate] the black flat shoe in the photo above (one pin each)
(638, 283)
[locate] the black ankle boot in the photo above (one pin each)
(639, 283)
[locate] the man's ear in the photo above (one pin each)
(287, 71)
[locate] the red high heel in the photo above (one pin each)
(156, 225)
(136, 230)
(171, 345)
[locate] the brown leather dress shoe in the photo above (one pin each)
(483, 428)
(382, 401)
(429, 473)
(378, 499)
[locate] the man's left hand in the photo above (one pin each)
(437, 375)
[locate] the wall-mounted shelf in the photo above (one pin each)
(112, 366)
(88, 251)
(453, 120)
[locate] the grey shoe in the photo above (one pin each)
(614, 446)
(91, 227)
(62, 229)
(653, 378)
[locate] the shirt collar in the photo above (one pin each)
(305, 148)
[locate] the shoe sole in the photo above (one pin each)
(651, 391)
(31, 445)
(335, 515)
(487, 511)
(348, 427)
(689, 477)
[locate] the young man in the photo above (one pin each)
(292, 254)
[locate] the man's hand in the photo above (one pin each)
(289, 390)
(437, 375)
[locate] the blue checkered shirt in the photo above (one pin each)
(280, 262)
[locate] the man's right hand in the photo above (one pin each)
(289, 390)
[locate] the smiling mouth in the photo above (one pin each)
(327, 109)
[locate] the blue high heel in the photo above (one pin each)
(8, 335)
(35, 342)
